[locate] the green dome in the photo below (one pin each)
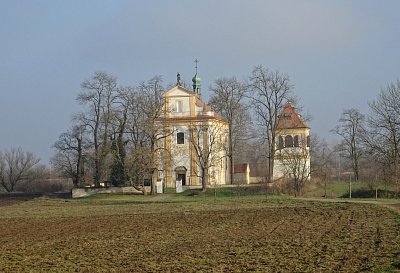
(196, 83)
(196, 79)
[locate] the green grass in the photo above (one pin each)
(340, 189)
(334, 190)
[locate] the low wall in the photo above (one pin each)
(84, 192)
(241, 178)
(255, 179)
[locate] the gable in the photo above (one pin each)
(179, 91)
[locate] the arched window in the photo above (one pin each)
(180, 138)
(288, 141)
(280, 142)
(308, 141)
(296, 141)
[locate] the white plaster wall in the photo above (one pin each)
(198, 109)
(280, 170)
(180, 152)
(218, 173)
(84, 192)
(240, 178)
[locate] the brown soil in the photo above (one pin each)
(230, 237)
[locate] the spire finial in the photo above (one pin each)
(196, 61)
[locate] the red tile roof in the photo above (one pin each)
(290, 119)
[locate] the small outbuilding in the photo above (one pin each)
(241, 173)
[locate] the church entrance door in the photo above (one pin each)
(182, 176)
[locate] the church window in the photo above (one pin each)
(288, 141)
(296, 141)
(308, 141)
(180, 138)
(179, 106)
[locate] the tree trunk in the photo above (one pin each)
(270, 168)
(78, 179)
(204, 179)
(96, 160)
(230, 153)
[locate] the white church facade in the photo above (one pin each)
(192, 144)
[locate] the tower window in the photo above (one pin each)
(296, 141)
(180, 138)
(287, 117)
(288, 141)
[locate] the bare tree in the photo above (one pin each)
(351, 129)
(120, 128)
(146, 106)
(98, 93)
(151, 104)
(321, 160)
(321, 156)
(383, 138)
(270, 92)
(228, 100)
(69, 158)
(38, 180)
(137, 150)
(15, 166)
(119, 136)
(209, 140)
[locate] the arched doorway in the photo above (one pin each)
(180, 174)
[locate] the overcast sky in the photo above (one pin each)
(338, 54)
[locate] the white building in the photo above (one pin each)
(193, 142)
(292, 156)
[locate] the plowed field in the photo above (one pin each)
(224, 236)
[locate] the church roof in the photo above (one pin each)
(290, 119)
(202, 104)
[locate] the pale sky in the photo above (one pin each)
(337, 53)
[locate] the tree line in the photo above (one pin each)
(370, 142)
(22, 172)
(113, 138)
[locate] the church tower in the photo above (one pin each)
(292, 156)
(197, 82)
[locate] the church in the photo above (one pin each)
(192, 148)
(192, 143)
